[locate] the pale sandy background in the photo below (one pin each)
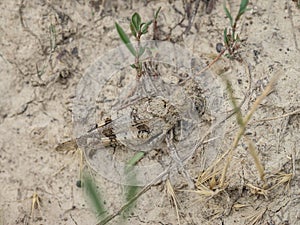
(39, 72)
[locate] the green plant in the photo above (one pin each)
(138, 29)
(231, 39)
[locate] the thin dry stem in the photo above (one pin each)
(257, 162)
(208, 176)
(171, 193)
(258, 191)
(282, 178)
(245, 121)
(204, 191)
(278, 117)
(35, 203)
(256, 217)
(265, 93)
(213, 62)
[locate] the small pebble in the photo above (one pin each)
(219, 47)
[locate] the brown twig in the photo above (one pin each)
(213, 62)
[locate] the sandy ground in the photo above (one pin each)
(47, 45)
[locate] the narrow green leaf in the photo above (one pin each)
(228, 14)
(141, 51)
(130, 193)
(133, 66)
(237, 38)
(122, 34)
(144, 27)
(137, 157)
(145, 31)
(94, 196)
(156, 14)
(136, 21)
(226, 37)
(141, 25)
(133, 30)
(149, 23)
(132, 190)
(125, 39)
(243, 7)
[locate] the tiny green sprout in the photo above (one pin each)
(138, 29)
(231, 39)
(135, 24)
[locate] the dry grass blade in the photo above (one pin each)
(256, 217)
(265, 93)
(257, 161)
(205, 191)
(238, 206)
(278, 117)
(35, 203)
(258, 191)
(245, 120)
(282, 178)
(208, 177)
(171, 193)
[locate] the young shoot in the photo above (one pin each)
(231, 39)
(138, 29)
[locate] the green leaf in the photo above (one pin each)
(226, 37)
(141, 51)
(137, 157)
(145, 26)
(125, 39)
(131, 190)
(136, 21)
(94, 196)
(130, 193)
(156, 14)
(133, 30)
(243, 7)
(237, 38)
(133, 66)
(228, 14)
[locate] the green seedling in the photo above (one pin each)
(138, 29)
(231, 39)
